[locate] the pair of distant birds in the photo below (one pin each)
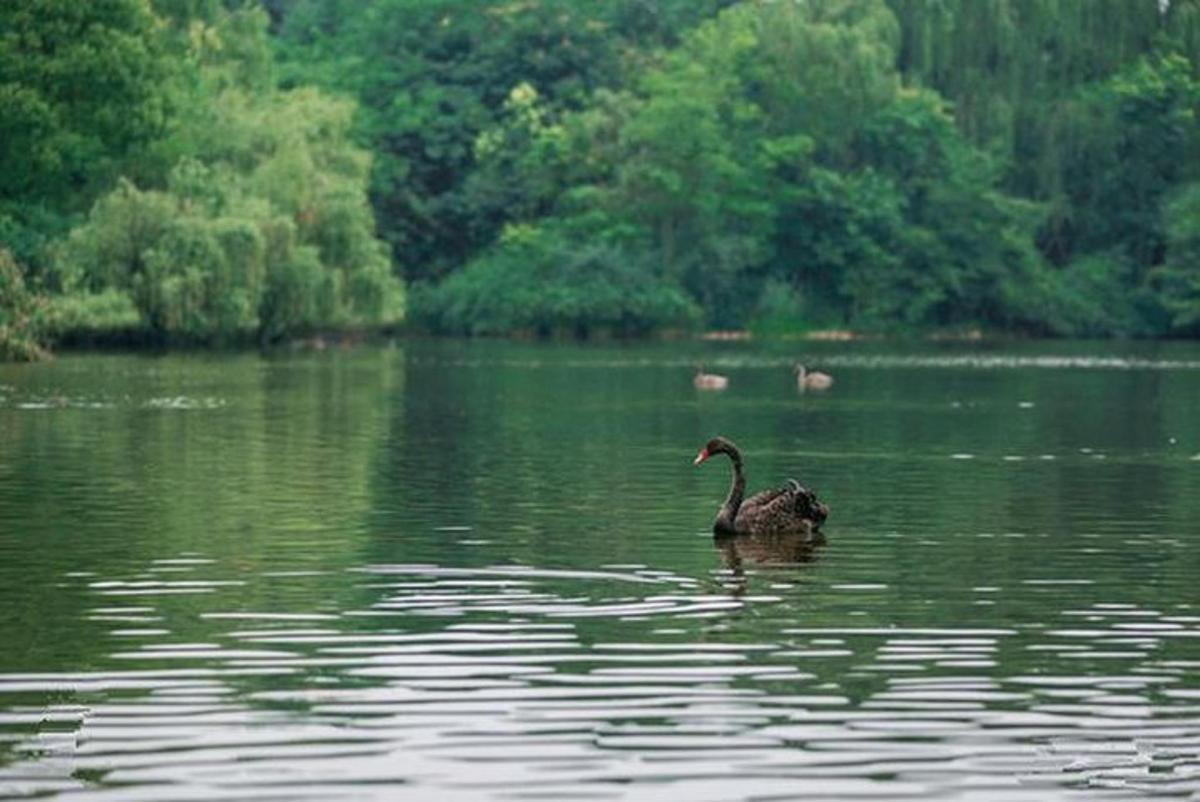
(805, 379)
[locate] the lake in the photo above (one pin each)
(484, 570)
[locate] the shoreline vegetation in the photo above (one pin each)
(135, 341)
(214, 173)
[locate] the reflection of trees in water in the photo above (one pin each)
(273, 476)
(548, 450)
(432, 448)
(580, 456)
(561, 459)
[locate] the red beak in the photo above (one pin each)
(703, 455)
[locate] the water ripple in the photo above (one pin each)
(523, 691)
(483, 571)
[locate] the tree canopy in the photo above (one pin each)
(216, 170)
(238, 212)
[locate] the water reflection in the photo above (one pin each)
(476, 680)
(775, 550)
(480, 571)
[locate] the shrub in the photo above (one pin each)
(84, 315)
(1178, 281)
(540, 280)
(206, 261)
(22, 315)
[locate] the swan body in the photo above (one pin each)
(812, 379)
(790, 509)
(709, 381)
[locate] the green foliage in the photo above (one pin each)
(188, 273)
(692, 172)
(837, 237)
(1178, 281)
(542, 280)
(1088, 106)
(81, 88)
(782, 309)
(28, 228)
(208, 260)
(520, 164)
(819, 69)
(965, 249)
(22, 315)
(1011, 69)
(777, 143)
(81, 316)
(433, 77)
(1150, 113)
(1090, 297)
(1024, 165)
(80, 84)
(262, 227)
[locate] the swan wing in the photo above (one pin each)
(765, 498)
(790, 508)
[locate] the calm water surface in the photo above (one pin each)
(483, 571)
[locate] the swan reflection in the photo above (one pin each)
(775, 550)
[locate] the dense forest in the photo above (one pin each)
(208, 171)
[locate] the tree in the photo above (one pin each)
(81, 85)
(22, 314)
(693, 173)
(1151, 108)
(777, 142)
(572, 276)
(433, 77)
(1178, 280)
(263, 226)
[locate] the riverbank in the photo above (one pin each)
(138, 341)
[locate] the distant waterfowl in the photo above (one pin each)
(812, 379)
(784, 510)
(708, 381)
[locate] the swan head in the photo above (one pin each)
(717, 445)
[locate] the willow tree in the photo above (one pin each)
(1009, 65)
(1018, 73)
(262, 225)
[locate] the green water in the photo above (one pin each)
(484, 571)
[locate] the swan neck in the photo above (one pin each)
(737, 488)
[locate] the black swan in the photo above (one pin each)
(812, 379)
(787, 509)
